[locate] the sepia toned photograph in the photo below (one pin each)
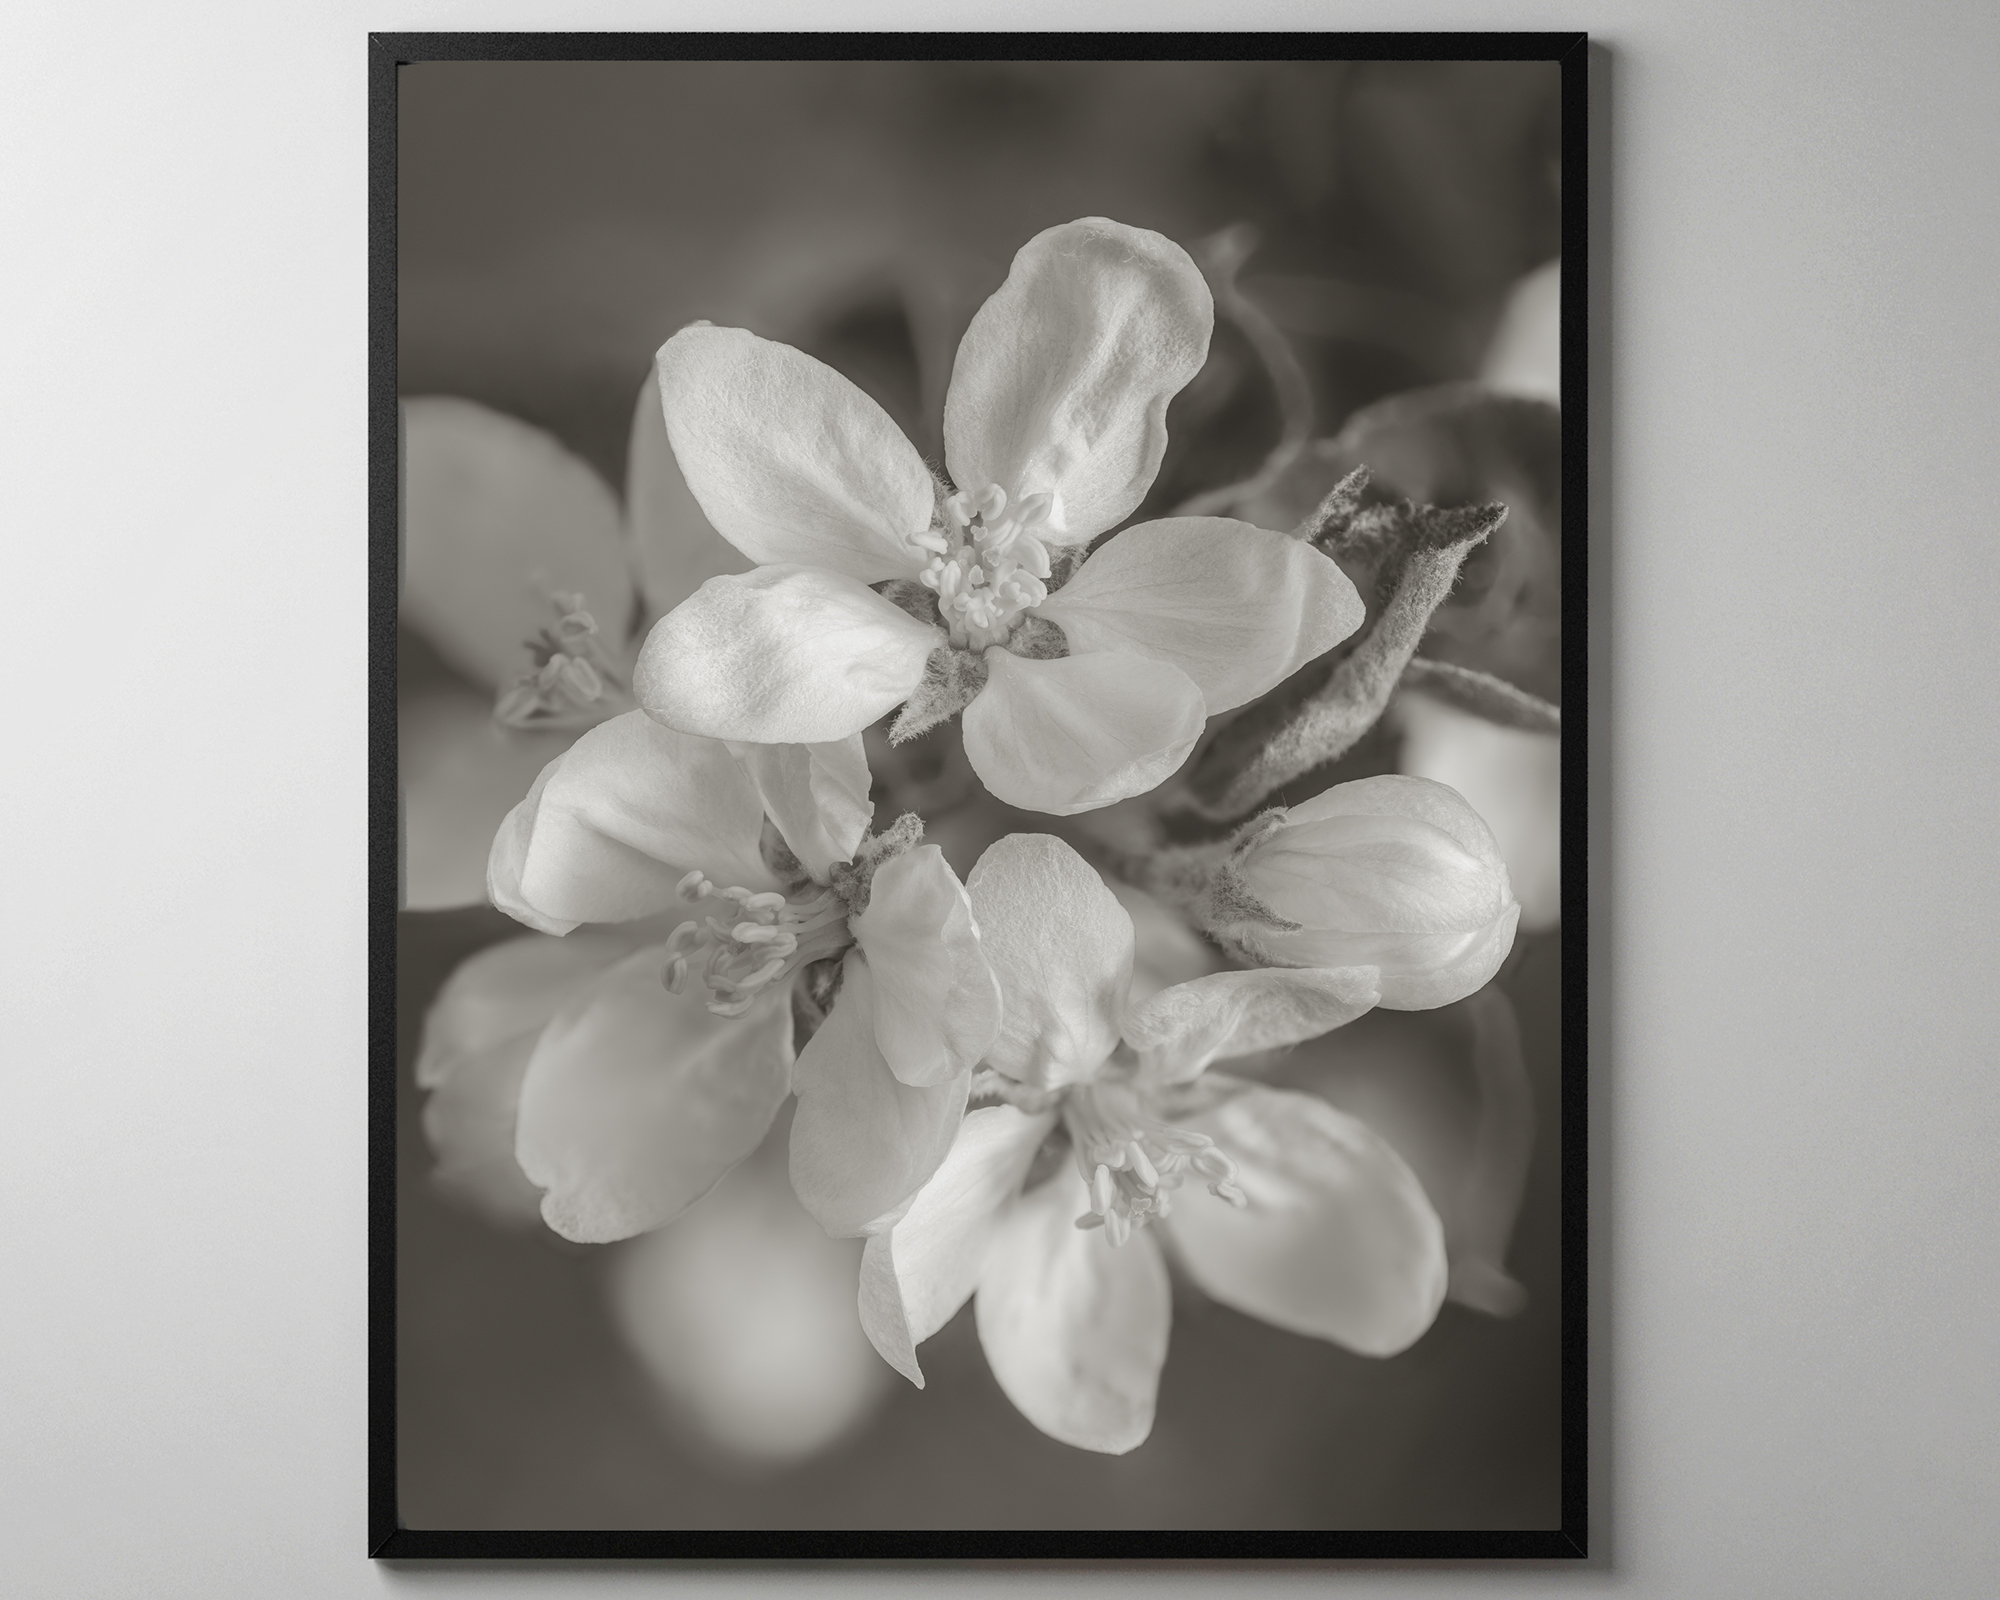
(971, 824)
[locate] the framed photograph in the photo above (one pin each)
(977, 892)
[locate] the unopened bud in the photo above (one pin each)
(1395, 873)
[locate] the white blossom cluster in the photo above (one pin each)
(1001, 1082)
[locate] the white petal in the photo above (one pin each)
(782, 655)
(637, 1100)
(937, 1004)
(791, 462)
(674, 548)
(1392, 794)
(1512, 778)
(1062, 380)
(1074, 1327)
(1061, 946)
(1338, 1241)
(614, 824)
(863, 1142)
(478, 1036)
(916, 1274)
(1080, 732)
(459, 773)
(1182, 1029)
(497, 514)
(817, 794)
(1237, 608)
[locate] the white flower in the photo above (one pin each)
(1054, 428)
(1299, 1214)
(635, 1098)
(1394, 873)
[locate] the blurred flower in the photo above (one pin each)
(1525, 356)
(1392, 873)
(1512, 778)
(634, 819)
(522, 573)
(1054, 427)
(742, 1313)
(1302, 1216)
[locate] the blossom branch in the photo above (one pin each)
(1483, 695)
(1220, 258)
(1272, 745)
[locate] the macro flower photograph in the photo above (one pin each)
(978, 747)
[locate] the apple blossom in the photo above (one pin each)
(640, 1096)
(1042, 1210)
(1076, 693)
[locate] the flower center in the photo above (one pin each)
(756, 940)
(990, 562)
(573, 682)
(1133, 1161)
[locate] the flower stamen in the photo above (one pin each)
(573, 681)
(759, 939)
(1132, 1161)
(994, 566)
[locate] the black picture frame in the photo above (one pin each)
(388, 1539)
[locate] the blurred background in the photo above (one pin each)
(1393, 228)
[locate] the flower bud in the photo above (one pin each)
(1395, 873)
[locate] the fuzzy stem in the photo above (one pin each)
(1483, 695)
(1262, 751)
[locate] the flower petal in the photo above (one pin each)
(496, 515)
(917, 1273)
(1237, 608)
(637, 1100)
(674, 548)
(937, 1003)
(782, 655)
(1338, 1241)
(1080, 732)
(459, 773)
(478, 1036)
(1074, 1327)
(1182, 1029)
(1063, 378)
(1061, 946)
(790, 461)
(862, 1142)
(816, 794)
(612, 826)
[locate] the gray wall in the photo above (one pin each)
(1797, 1229)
